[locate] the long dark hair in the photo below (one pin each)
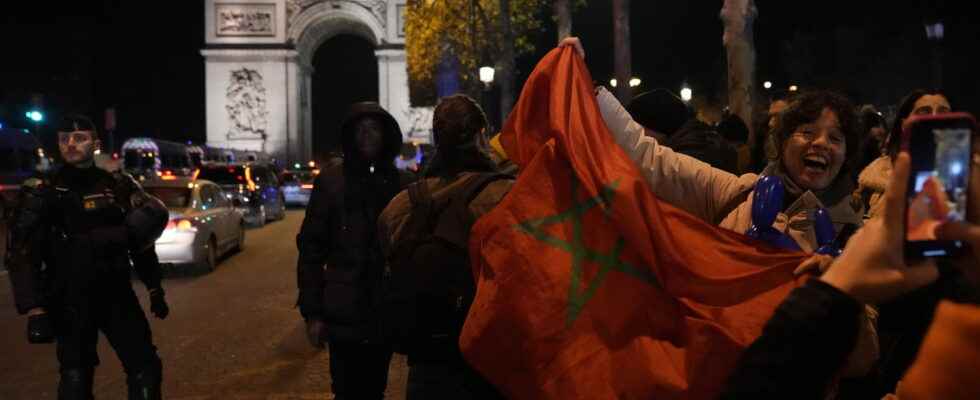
(905, 109)
(457, 124)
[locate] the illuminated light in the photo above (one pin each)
(168, 177)
(35, 116)
(312, 164)
(686, 94)
(190, 185)
(98, 151)
(185, 225)
(635, 82)
(248, 179)
(296, 166)
(306, 186)
(793, 88)
(1, 125)
(956, 168)
(196, 173)
(115, 156)
(767, 85)
(612, 82)
(316, 172)
(486, 75)
(159, 173)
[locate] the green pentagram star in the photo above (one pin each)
(578, 295)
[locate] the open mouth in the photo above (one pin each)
(816, 162)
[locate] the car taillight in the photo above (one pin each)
(180, 225)
(306, 186)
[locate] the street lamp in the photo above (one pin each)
(486, 75)
(686, 94)
(767, 84)
(634, 82)
(793, 88)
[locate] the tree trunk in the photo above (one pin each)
(506, 64)
(622, 57)
(563, 13)
(738, 17)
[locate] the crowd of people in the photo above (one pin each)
(384, 264)
(852, 332)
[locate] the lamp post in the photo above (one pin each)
(486, 76)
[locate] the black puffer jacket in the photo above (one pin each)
(339, 261)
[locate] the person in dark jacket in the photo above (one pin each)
(86, 226)
(462, 157)
(660, 112)
(703, 142)
(806, 342)
(339, 263)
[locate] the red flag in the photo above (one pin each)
(590, 287)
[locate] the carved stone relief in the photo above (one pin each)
(248, 114)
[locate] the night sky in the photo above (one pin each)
(143, 57)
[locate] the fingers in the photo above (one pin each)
(816, 264)
(575, 43)
(955, 230)
(920, 274)
(894, 210)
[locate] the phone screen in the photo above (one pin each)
(938, 183)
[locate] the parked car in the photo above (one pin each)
(297, 185)
(253, 184)
(204, 224)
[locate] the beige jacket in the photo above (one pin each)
(711, 194)
(874, 179)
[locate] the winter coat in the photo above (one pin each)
(339, 264)
(704, 143)
(801, 349)
(872, 183)
(724, 199)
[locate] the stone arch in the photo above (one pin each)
(317, 24)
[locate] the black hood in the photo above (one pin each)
(392, 135)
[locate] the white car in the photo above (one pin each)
(204, 224)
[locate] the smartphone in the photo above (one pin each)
(940, 148)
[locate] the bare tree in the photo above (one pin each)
(563, 13)
(622, 59)
(738, 17)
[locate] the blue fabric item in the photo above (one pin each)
(824, 229)
(767, 200)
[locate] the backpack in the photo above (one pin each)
(428, 285)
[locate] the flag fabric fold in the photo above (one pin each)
(587, 285)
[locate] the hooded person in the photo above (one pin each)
(339, 265)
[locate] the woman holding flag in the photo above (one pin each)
(788, 205)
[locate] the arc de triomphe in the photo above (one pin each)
(258, 61)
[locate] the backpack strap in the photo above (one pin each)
(455, 226)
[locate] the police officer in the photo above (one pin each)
(74, 238)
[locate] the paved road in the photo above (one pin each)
(232, 334)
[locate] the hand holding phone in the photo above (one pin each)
(939, 180)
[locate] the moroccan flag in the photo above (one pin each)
(588, 286)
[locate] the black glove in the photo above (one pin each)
(40, 329)
(158, 304)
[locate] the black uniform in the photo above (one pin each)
(71, 242)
